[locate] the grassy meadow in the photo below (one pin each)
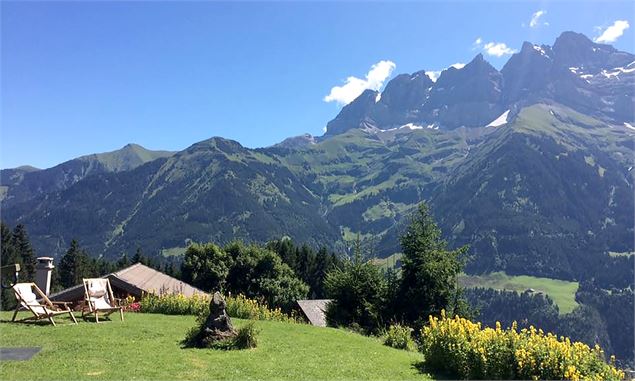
(561, 292)
(147, 346)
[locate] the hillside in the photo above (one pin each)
(530, 165)
(147, 346)
(25, 183)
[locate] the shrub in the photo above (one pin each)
(464, 349)
(239, 307)
(399, 336)
(260, 273)
(192, 337)
(205, 266)
(179, 304)
(358, 293)
(246, 337)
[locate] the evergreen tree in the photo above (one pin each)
(308, 265)
(103, 267)
(123, 262)
(56, 283)
(24, 253)
(429, 271)
(7, 257)
(139, 257)
(74, 266)
(358, 290)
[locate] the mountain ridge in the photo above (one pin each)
(552, 175)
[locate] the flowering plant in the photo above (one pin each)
(239, 307)
(459, 346)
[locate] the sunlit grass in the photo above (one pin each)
(561, 292)
(147, 346)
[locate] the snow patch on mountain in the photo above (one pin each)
(502, 119)
(540, 50)
(412, 126)
(615, 72)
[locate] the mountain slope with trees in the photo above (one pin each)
(523, 164)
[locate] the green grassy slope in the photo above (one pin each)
(147, 346)
(561, 292)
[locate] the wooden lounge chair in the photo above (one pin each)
(98, 298)
(28, 300)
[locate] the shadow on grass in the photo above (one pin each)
(27, 322)
(91, 319)
(434, 374)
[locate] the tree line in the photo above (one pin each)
(70, 269)
(370, 299)
(364, 296)
(278, 273)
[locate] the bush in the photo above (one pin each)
(239, 307)
(169, 304)
(358, 292)
(260, 273)
(206, 266)
(463, 349)
(399, 336)
(246, 337)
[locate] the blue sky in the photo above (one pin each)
(80, 78)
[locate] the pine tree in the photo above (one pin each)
(103, 267)
(24, 252)
(7, 257)
(123, 262)
(429, 271)
(139, 257)
(357, 290)
(74, 266)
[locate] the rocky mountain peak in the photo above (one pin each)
(576, 50)
(353, 113)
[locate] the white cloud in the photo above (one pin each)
(497, 49)
(535, 19)
(434, 74)
(613, 32)
(476, 45)
(354, 86)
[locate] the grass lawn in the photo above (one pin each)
(561, 292)
(147, 346)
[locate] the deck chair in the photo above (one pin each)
(98, 298)
(28, 300)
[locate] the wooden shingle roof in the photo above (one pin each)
(150, 280)
(135, 279)
(315, 310)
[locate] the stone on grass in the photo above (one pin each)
(218, 326)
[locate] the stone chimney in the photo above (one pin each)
(43, 270)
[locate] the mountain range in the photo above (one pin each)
(530, 165)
